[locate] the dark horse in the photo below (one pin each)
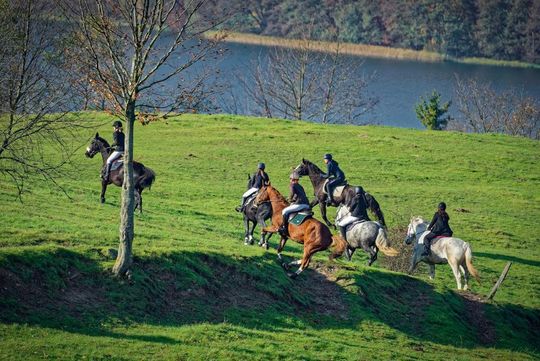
(314, 235)
(316, 176)
(143, 176)
(256, 215)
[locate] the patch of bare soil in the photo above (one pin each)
(476, 316)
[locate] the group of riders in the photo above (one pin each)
(298, 200)
(357, 205)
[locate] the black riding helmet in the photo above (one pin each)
(261, 166)
(328, 156)
(117, 124)
(442, 206)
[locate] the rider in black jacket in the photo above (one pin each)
(438, 227)
(334, 174)
(299, 202)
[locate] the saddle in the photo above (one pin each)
(297, 218)
(337, 191)
(353, 224)
(117, 163)
(421, 239)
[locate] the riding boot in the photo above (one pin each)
(284, 228)
(427, 248)
(343, 231)
(107, 171)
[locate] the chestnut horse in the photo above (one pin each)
(314, 235)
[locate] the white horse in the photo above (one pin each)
(368, 235)
(451, 250)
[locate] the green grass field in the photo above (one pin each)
(198, 293)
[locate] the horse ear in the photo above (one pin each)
(97, 135)
(303, 161)
(249, 176)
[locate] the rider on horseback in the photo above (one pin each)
(334, 174)
(118, 142)
(260, 179)
(298, 200)
(438, 228)
(358, 211)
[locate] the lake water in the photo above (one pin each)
(398, 84)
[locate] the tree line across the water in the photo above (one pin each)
(497, 29)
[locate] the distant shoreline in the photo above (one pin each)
(373, 51)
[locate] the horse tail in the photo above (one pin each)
(383, 244)
(339, 245)
(147, 178)
(375, 208)
(468, 262)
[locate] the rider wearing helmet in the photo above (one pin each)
(334, 174)
(438, 227)
(118, 146)
(260, 179)
(298, 200)
(357, 211)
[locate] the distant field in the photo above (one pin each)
(198, 293)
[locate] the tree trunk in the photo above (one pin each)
(125, 258)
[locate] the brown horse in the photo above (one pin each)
(314, 235)
(143, 176)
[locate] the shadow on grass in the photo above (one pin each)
(504, 257)
(62, 289)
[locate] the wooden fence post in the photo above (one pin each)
(499, 281)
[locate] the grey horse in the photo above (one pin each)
(451, 250)
(368, 235)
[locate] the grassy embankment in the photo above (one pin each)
(198, 293)
(374, 51)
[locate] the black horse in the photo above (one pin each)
(256, 215)
(143, 176)
(316, 176)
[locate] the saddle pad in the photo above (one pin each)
(337, 191)
(298, 218)
(353, 224)
(117, 164)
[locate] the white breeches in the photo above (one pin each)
(249, 192)
(294, 208)
(114, 155)
(345, 221)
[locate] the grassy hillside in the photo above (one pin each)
(198, 293)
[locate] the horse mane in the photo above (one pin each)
(102, 140)
(279, 195)
(312, 166)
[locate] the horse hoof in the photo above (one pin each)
(102, 200)
(266, 246)
(292, 275)
(285, 266)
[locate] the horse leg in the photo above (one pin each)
(372, 255)
(282, 242)
(465, 271)
(139, 191)
(322, 205)
(246, 230)
(457, 275)
(103, 189)
(431, 271)
(414, 262)
(261, 224)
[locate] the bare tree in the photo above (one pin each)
(132, 50)
(32, 95)
(301, 83)
(483, 110)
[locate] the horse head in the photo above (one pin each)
(96, 146)
(413, 229)
(262, 196)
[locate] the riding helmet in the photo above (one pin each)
(442, 206)
(294, 175)
(261, 166)
(117, 124)
(328, 156)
